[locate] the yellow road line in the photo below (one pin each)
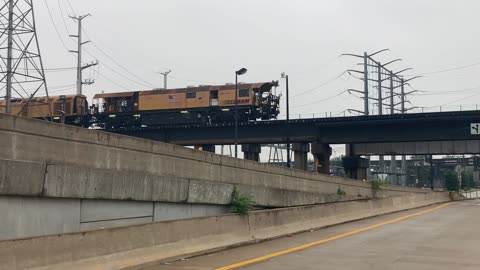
(325, 240)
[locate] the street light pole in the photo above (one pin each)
(236, 114)
(237, 73)
(289, 161)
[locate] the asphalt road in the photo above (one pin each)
(444, 238)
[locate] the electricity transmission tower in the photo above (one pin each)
(21, 67)
(384, 79)
(80, 43)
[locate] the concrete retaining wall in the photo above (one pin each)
(143, 244)
(82, 163)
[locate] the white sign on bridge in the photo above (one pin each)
(475, 129)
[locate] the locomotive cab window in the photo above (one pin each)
(191, 95)
(243, 93)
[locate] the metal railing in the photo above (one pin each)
(346, 113)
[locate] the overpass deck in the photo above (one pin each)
(442, 126)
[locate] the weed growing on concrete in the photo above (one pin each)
(241, 203)
(378, 187)
(341, 192)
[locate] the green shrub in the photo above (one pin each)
(451, 181)
(241, 203)
(378, 187)
(341, 192)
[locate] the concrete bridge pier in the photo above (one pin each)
(300, 158)
(476, 171)
(251, 151)
(356, 167)
(321, 153)
(205, 147)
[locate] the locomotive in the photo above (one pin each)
(68, 109)
(205, 104)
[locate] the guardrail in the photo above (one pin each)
(471, 194)
(346, 113)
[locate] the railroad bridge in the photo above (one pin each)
(400, 134)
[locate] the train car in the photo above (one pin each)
(70, 109)
(202, 104)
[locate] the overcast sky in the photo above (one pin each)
(204, 42)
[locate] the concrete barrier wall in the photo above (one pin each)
(27, 216)
(143, 244)
(98, 165)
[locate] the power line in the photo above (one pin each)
(458, 100)
(113, 60)
(194, 81)
(116, 72)
(50, 69)
(319, 101)
(63, 19)
(320, 86)
(447, 70)
(432, 93)
(112, 81)
(145, 83)
(73, 11)
(56, 30)
(140, 81)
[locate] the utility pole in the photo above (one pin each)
(402, 110)
(80, 43)
(393, 158)
(365, 83)
(392, 106)
(165, 74)
(379, 82)
(365, 74)
(381, 159)
(402, 95)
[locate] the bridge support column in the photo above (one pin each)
(321, 153)
(356, 167)
(404, 171)
(476, 171)
(300, 152)
(251, 151)
(206, 147)
(393, 170)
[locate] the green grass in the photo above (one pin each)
(241, 203)
(378, 187)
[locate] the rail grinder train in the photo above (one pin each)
(205, 104)
(71, 109)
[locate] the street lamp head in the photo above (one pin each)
(241, 71)
(283, 75)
